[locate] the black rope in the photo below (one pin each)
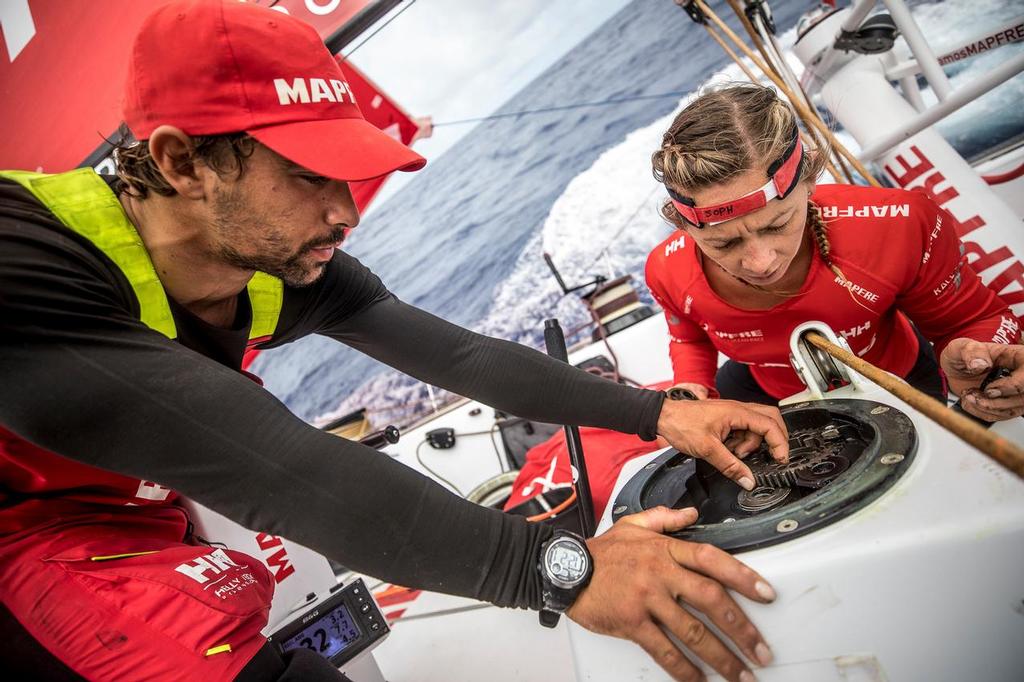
(380, 28)
(615, 100)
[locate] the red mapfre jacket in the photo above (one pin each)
(903, 257)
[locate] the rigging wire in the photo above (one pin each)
(802, 110)
(379, 28)
(565, 107)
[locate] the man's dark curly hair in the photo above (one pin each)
(138, 175)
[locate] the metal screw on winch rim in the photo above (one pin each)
(881, 409)
(891, 458)
(800, 406)
(620, 509)
(786, 525)
(651, 465)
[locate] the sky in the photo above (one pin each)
(459, 59)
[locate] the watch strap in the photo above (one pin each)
(549, 619)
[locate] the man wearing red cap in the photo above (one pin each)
(125, 307)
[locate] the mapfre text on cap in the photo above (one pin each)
(312, 90)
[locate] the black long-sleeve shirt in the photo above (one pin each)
(81, 376)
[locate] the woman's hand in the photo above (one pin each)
(640, 578)
(966, 363)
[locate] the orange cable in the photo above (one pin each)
(552, 512)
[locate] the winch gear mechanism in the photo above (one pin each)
(815, 457)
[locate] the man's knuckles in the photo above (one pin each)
(694, 634)
(708, 558)
(673, 660)
(708, 595)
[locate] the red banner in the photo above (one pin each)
(382, 112)
(62, 70)
(326, 16)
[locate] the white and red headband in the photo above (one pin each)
(783, 176)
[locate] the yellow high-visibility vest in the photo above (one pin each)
(84, 202)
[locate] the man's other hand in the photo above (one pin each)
(702, 427)
(640, 578)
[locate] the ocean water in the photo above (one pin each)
(465, 239)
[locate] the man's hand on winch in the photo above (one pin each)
(722, 432)
(642, 578)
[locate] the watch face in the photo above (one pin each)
(565, 562)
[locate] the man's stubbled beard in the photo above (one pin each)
(233, 223)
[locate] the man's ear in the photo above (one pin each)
(171, 150)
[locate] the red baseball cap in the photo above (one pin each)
(211, 67)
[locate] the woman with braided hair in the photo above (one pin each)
(762, 249)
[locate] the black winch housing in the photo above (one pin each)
(844, 454)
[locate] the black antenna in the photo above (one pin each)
(554, 271)
(597, 281)
(554, 340)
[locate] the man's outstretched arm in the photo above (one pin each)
(527, 383)
(82, 377)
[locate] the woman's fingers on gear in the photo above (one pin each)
(1006, 404)
(1001, 414)
(978, 411)
(1011, 385)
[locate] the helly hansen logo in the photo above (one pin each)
(206, 567)
(674, 246)
(888, 211)
(312, 90)
(856, 330)
(152, 491)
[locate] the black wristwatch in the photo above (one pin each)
(565, 568)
